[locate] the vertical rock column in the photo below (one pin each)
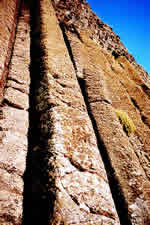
(8, 17)
(126, 175)
(14, 126)
(77, 178)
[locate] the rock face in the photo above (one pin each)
(66, 158)
(8, 15)
(14, 124)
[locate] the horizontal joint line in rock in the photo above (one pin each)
(100, 100)
(18, 89)
(11, 104)
(15, 80)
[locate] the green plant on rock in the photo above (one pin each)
(126, 121)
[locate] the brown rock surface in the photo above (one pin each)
(77, 16)
(14, 127)
(104, 92)
(65, 157)
(76, 176)
(8, 18)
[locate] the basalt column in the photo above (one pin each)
(14, 126)
(9, 10)
(103, 93)
(77, 185)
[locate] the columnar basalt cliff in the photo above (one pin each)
(69, 154)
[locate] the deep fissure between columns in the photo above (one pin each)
(117, 194)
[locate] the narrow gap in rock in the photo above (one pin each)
(115, 54)
(146, 89)
(68, 45)
(143, 117)
(76, 32)
(135, 104)
(121, 65)
(117, 194)
(38, 204)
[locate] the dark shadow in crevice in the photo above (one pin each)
(121, 65)
(146, 89)
(38, 202)
(116, 54)
(135, 104)
(143, 117)
(75, 31)
(117, 194)
(68, 45)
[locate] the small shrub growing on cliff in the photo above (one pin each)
(126, 122)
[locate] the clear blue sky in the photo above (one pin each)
(130, 19)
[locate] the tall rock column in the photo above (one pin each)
(8, 16)
(14, 126)
(77, 184)
(126, 174)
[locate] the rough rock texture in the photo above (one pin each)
(8, 18)
(14, 126)
(130, 168)
(77, 16)
(65, 156)
(76, 176)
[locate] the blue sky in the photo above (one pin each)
(130, 19)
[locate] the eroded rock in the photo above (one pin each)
(14, 125)
(65, 156)
(76, 173)
(8, 15)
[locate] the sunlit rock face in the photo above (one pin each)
(8, 16)
(15, 60)
(66, 156)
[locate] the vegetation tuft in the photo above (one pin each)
(126, 121)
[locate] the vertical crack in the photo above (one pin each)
(68, 45)
(134, 102)
(143, 117)
(146, 89)
(38, 203)
(117, 194)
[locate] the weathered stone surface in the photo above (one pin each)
(104, 91)
(16, 98)
(14, 123)
(22, 88)
(80, 178)
(77, 16)
(65, 157)
(76, 173)
(8, 16)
